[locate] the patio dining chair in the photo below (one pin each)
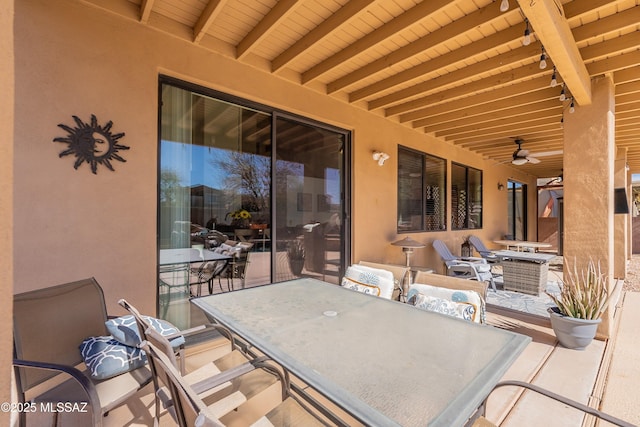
(468, 267)
(206, 273)
(230, 394)
(49, 326)
(190, 410)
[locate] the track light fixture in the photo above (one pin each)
(526, 41)
(504, 5)
(554, 78)
(543, 59)
(563, 95)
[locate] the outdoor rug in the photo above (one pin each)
(531, 304)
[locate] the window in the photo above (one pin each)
(466, 197)
(421, 191)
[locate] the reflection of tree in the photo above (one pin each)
(249, 175)
(169, 186)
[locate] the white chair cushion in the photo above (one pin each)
(380, 278)
(454, 295)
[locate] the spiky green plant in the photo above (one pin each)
(583, 293)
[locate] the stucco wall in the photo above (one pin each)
(75, 59)
(6, 202)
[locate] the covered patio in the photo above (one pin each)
(515, 92)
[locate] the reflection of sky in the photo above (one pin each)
(196, 165)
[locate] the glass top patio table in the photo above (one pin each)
(384, 362)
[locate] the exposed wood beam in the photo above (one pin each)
(610, 24)
(530, 116)
(552, 29)
(510, 131)
(328, 26)
(145, 10)
(266, 26)
(211, 11)
(412, 16)
(483, 16)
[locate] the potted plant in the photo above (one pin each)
(296, 254)
(582, 299)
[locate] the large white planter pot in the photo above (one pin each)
(572, 333)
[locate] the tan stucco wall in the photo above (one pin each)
(6, 202)
(74, 59)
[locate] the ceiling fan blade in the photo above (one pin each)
(547, 153)
(533, 160)
(523, 153)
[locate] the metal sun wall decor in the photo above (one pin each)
(92, 143)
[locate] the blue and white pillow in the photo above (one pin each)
(460, 310)
(455, 295)
(125, 330)
(360, 287)
(106, 357)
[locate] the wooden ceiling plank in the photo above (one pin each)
(618, 64)
(579, 8)
(145, 10)
(514, 57)
(209, 14)
(499, 130)
(552, 29)
(611, 47)
(485, 45)
(328, 26)
(266, 26)
(506, 114)
(509, 131)
(609, 24)
(396, 25)
(480, 98)
(469, 22)
(531, 115)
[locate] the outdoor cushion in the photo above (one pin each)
(461, 310)
(383, 279)
(360, 287)
(125, 330)
(106, 357)
(455, 295)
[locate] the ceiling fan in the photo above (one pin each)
(520, 156)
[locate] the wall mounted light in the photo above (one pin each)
(500, 186)
(380, 157)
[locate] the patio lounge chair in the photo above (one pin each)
(49, 325)
(484, 252)
(190, 410)
(468, 267)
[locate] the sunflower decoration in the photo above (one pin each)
(239, 217)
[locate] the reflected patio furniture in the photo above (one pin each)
(468, 267)
(206, 273)
(237, 268)
(243, 234)
(48, 327)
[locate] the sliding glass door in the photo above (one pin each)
(245, 176)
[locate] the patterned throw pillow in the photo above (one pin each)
(360, 287)
(105, 357)
(454, 295)
(124, 330)
(382, 279)
(461, 310)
